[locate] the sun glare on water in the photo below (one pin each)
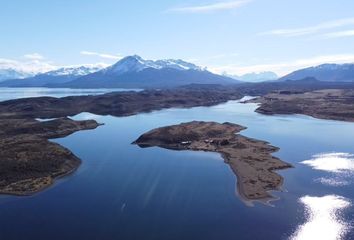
(339, 165)
(323, 218)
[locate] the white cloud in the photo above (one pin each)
(101, 55)
(340, 34)
(282, 68)
(34, 64)
(210, 7)
(33, 56)
(293, 32)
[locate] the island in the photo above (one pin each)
(29, 162)
(251, 160)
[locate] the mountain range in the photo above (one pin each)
(136, 72)
(59, 76)
(325, 72)
(129, 72)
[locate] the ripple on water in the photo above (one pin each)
(323, 218)
(332, 181)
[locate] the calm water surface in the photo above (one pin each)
(14, 93)
(124, 192)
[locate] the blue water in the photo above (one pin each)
(14, 93)
(124, 192)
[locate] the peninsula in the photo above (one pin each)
(333, 104)
(28, 161)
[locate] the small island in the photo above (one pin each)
(29, 162)
(251, 160)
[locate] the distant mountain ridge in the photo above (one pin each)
(10, 73)
(325, 72)
(256, 76)
(75, 71)
(59, 76)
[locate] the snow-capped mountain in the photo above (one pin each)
(136, 64)
(256, 77)
(75, 71)
(10, 73)
(129, 72)
(325, 72)
(136, 72)
(59, 76)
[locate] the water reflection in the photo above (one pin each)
(323, 218)
(332, 162)
(339, 165)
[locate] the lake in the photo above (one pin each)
(122, 191)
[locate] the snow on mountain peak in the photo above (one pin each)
(177, 64)
(136, 63)
(76, 70)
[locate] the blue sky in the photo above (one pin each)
(234, 36)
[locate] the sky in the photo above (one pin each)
(236, 37)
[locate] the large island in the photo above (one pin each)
(250, 159)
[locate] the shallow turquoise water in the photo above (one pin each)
(124, 192)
